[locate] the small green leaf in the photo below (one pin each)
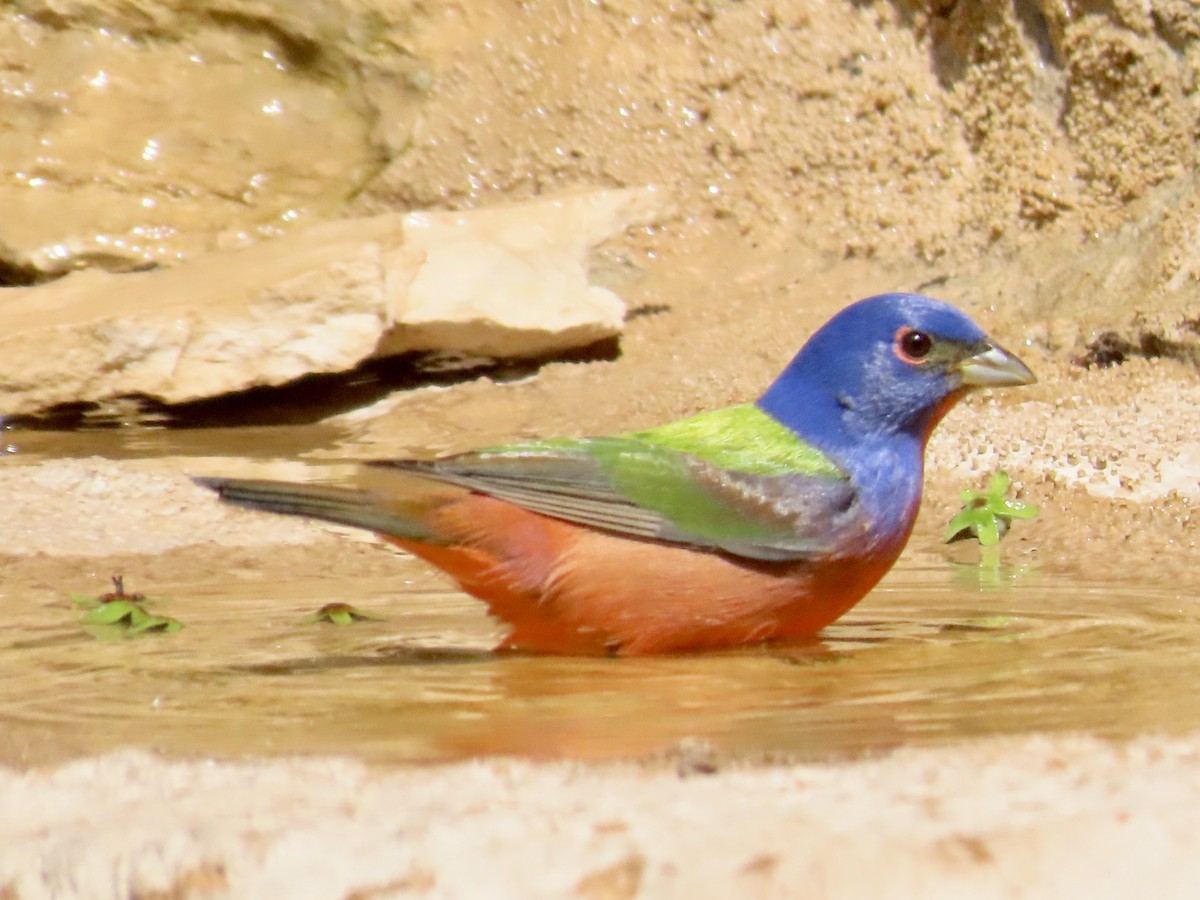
(961, 522)
(987, 531)
(339, 614)
(111, 613)
(1015, 509)
(988, 514)
(138, 617)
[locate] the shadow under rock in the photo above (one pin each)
(305, 401)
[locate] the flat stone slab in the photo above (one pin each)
(507, 281)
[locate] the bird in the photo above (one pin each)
(756, 523)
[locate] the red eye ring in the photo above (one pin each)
(912, 345)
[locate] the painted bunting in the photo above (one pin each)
(759, 522)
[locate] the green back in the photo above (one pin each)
(742, 438)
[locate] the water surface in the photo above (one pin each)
(937, 653)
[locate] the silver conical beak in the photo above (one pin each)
(995, 367)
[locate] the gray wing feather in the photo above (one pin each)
(568, 486)
(572, 487)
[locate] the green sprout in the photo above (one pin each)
(339, 614)
(988, 514)
(118, 614)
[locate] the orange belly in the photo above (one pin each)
(568, 589)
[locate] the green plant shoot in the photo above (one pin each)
(120, 613)
(987, 514)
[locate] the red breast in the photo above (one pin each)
(569, 589)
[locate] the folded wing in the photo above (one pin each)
(635, 487)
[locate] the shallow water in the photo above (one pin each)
(265, 442)
(937, 653)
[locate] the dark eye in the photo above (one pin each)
(915, 344)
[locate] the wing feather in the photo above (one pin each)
(634, 487)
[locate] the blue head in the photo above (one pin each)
(886, 369)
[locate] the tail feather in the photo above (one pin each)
(344, 506)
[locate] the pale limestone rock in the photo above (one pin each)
(505, 281)
(263, 315)
(508, 280)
